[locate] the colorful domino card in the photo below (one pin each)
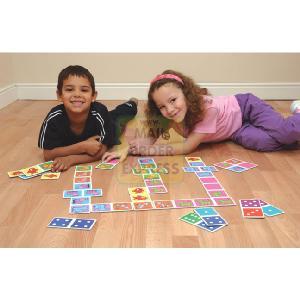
(193, 159)
(82, 186)
(210, 228)
(143, 205)
(251, 208)
(137, 190)
(163, 204)
(50, 176)
(151, 176)
(101, 207)
(15, 173)
(252, 212)
(83, 174)
(183, 203)
(203, 202)
(122, 206)
(191, 218)
(28, 177)
(80, 200)
(92, 193)
(159, 170)
(140, 198)
(209, 168)
(80, 209)
(214, 220)
(146, 160)
(204, 174)
(206, 211)
(60, 222)
(83, 168)
(72, 193)
(197, 164)
(153, 182)
(34, 170)
(137, 171)
(82, 179)
(47, 165)
(190, 169)
(250, 203)
(212, 186)
(105, 166)
(223, 201)
(217, 193)
(83, 224)
(271, 211)
(148, 166)
(108, 165)
(159, 189)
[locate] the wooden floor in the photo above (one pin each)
(27, 206)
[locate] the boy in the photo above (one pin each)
(80, 130)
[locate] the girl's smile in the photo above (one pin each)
(171, 102)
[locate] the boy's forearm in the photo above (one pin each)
(74, 149)
(85, 158)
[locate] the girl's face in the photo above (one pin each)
(77, 94)
(171, 102)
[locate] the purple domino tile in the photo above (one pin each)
(250, 203)
(263, 203)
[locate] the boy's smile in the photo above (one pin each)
(77, 95)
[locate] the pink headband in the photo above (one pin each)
(167, 76)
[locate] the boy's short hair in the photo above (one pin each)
(78, 71)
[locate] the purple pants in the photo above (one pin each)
(264, 129)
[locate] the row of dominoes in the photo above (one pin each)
(36, 170)
(152, 180)
(212, 186)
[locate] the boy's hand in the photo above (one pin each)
(61, 164)
(92, 145)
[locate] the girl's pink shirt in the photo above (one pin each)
(222, 118)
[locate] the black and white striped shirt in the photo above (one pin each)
(55, 130)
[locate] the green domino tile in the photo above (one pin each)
(191, 218)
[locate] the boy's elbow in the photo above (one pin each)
(47, 155)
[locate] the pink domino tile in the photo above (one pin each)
(203, 202)
(208, 180)
(217, 193)
(247, 165)
(183, 203)
(224, 201)
(212, 186)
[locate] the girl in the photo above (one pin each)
(201, 118)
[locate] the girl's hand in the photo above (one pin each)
(121, 155)
(136, 149)
(140, 146)
(61, 164)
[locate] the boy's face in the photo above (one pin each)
(77, 94)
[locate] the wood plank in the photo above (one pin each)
(27, 206)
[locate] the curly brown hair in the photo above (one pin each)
(193, 95)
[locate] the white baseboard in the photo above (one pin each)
(8, 95)
(123, 91)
